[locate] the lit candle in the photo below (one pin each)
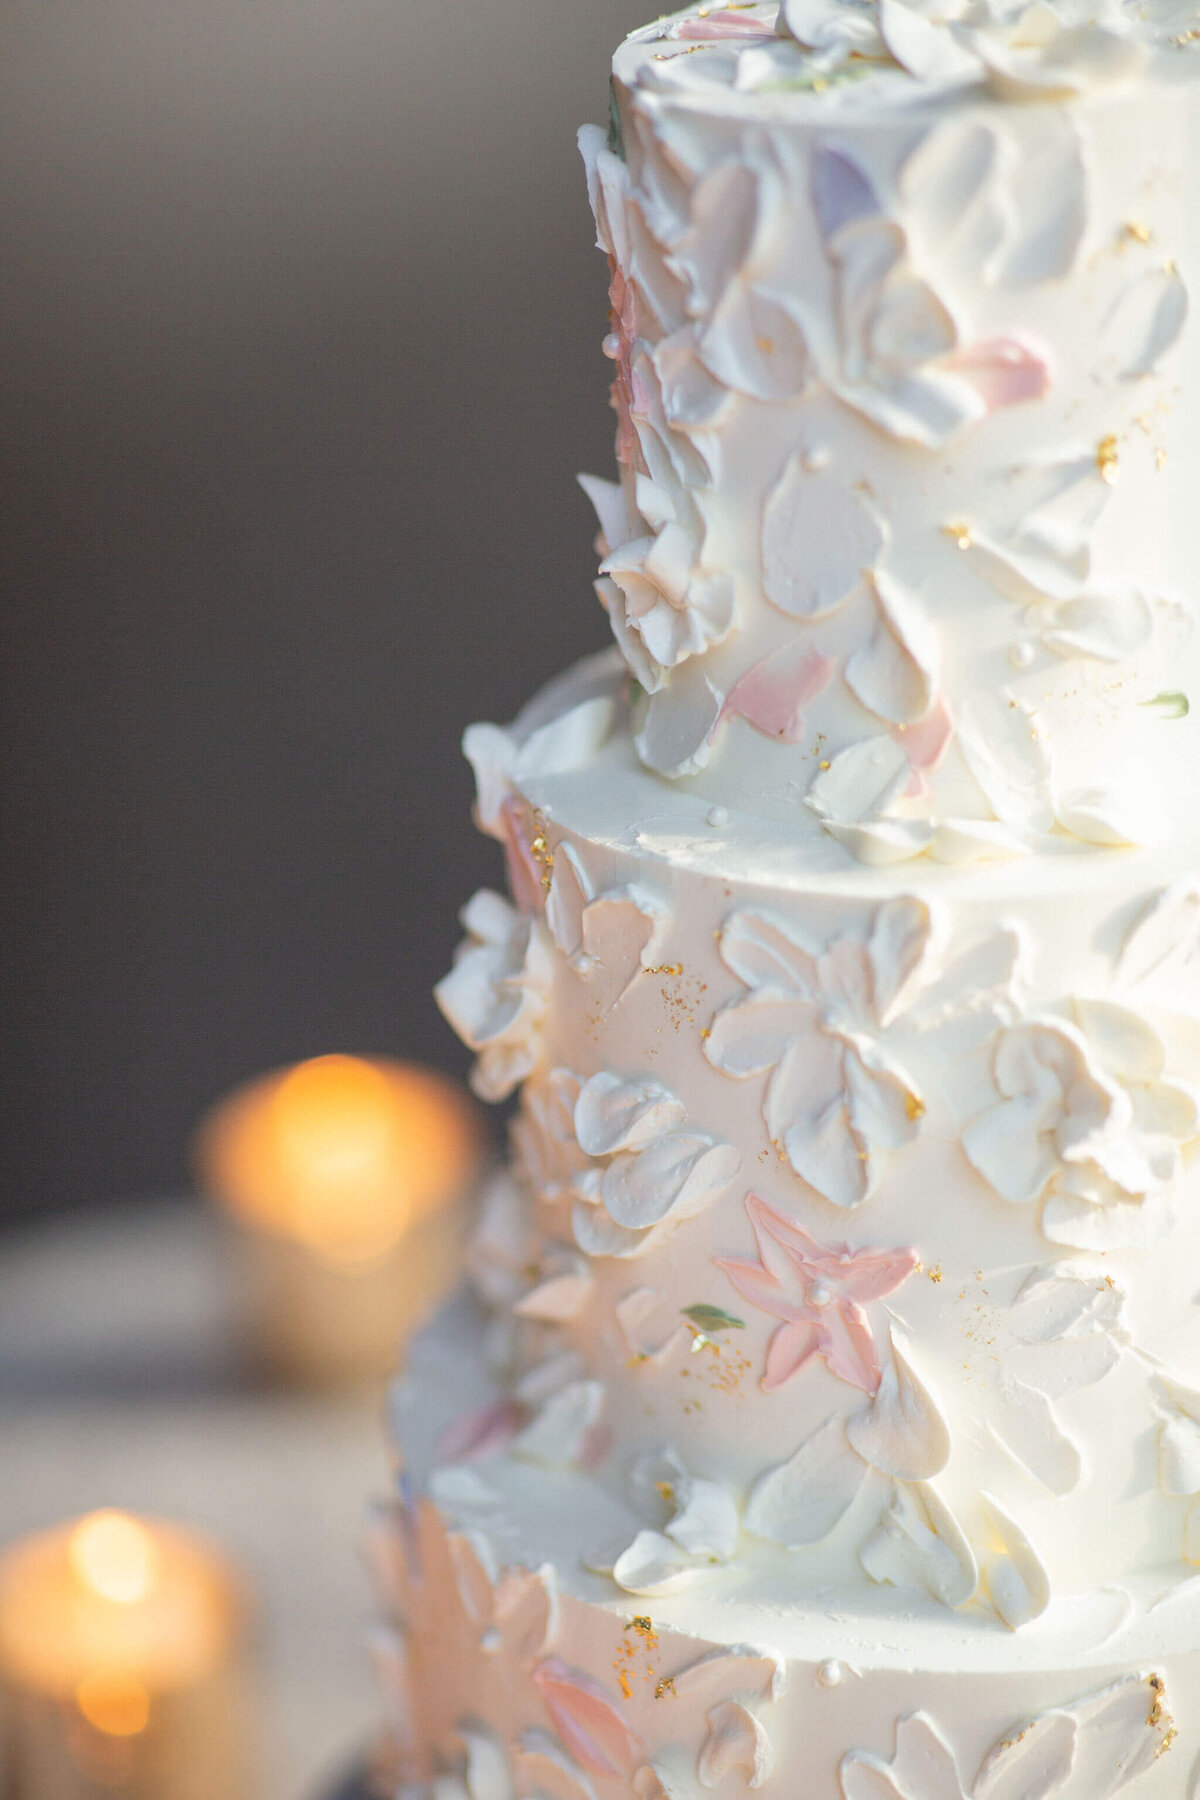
(120, 1648)
(346, 1179)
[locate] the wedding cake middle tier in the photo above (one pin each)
(850, 1209)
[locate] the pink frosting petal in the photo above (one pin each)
(768, 1221)
(873, 1274)
(592, 1730)
(831, 1324)
(759, 1287)
(772, 695)
(925, 744)
(481, 1433)
(622, 305)
(725, 25)
(848, 1345)
(788, 1351)
(524, 875)
(1003, 371)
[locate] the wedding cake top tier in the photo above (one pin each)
(902, 548)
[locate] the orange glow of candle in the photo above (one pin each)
(114, 1556)
(346, 1179)
(343, 1154)
(119, 1643)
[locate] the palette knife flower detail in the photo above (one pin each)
(817, 1294)
(837, 1098)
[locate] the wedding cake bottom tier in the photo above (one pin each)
(513, 1669)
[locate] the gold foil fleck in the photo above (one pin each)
(959, 535)
(936, 1274)
(1108, 459)
(1140, 233)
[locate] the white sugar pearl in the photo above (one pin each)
(819, 1294)
(831, 1673)
(717, 815)
(1021, 655)
(611, 345)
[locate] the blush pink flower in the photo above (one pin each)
(818, 1293)
(705, 27)
(772, 694)
(592, 1729)
(622, 310)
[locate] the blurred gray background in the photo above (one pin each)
(299, 325)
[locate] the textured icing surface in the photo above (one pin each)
(514, 1671)
(900, 547)
(825, 1416)
(866, 1205)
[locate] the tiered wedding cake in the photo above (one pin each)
(825, 1418)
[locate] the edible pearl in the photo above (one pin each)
(815, 459)
(819, 1294)
(1021, 655)
(491, 1641)
(831, 1673)
(717, 815)
(611, 345)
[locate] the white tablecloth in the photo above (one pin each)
(120, 1386)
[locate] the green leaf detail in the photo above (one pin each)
(712, 1318)
(1172, 705)
(616, 136)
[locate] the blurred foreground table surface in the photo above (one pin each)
(120, 1385)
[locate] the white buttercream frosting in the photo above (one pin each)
(901, 549)
(827, 1414)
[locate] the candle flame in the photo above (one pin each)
(114, 1556)
(342, 1140)
(343, 1154)
(115, 1704)
(334, 1117)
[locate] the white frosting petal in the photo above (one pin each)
(756, 344)
(1025, 1423)
(1015, 1577)
(676, 734)
(818, 540)
(801, 1500)
(902, 1432)
(653, 1565)
(1120, 1731)
(919, 1543)
(1032, 1764)
(1007, 757)
(740, 1672)
(1179, 1456)
(612, 1114)
(559, 1434)
(541, 1763)
(487, 1776)
(707, 1524)
(737, 1740)
(895, 673)
(923, 1766)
